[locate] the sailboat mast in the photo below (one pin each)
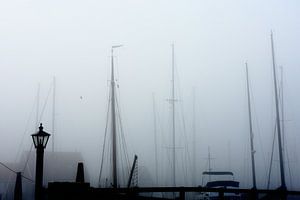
(113, 123)
(283, 185)
(37, 107)
(53, 111)
(173, 117)
(194, 137)
(155, 139)
(282, 109)
(251, 131)
(209, 164)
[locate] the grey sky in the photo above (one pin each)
(72, 39)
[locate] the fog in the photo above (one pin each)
(72, 41)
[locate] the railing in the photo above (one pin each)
(76, 191)
(250, 193)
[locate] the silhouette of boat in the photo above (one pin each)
(219, 179)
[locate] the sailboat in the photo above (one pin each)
(117, 146)
(218, 179)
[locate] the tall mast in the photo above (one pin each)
(209, 164)
(113, 122)
(53, 111)
(194, 137)
(282, 109)
(155, 139)
(283, 185)
(251, 130)
(173, 117)
(37, 107)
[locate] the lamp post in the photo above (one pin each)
(40, 140)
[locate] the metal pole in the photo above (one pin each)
(155, 140)
(18, 187)
(173, 118)
(37, 106)
(209, 164)
(39, 173)
(113, 121)
(283, 185)
(53, 112)
(194, 138)
(251, 131)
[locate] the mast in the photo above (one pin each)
(251, 130)
(53, 111)
(194, 137)
(155, 139)
(209, 164)
(113, 121)
(283, 185)
(282, 110)
(173, 117)
(37, 107)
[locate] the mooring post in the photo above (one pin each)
(221, 195)
(181, 194)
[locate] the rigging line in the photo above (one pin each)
(166, 153)
(245, 161)
(105, 135)
(28, 156)
(27, 159)
(188, 159)
(109, 160)
(258, 127)
(44, 106)
(15, 172)
(121, 157)
(289, 167)
(122, 135)
(155, 138)
(25, 131)
(125, 166)
(183, 167)
(271, 161)
(281, 95)
(23, 136)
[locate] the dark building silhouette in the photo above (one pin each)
(58, 166)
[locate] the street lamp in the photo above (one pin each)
(40, 140)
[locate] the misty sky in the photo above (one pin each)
(71, 40)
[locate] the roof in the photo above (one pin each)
(58, 166)
(223, 184)
(218, 173)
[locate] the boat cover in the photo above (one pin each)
(223, 184)
(218, 173)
